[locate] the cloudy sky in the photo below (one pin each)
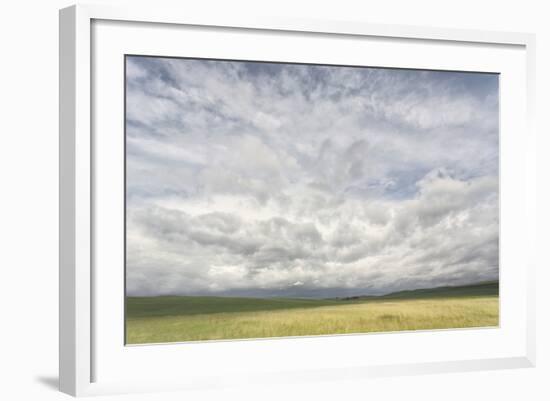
(264, 179)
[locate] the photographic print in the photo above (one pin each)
(279, 199)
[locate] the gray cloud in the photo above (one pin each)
(276, 179)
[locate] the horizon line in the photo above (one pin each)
(333, 297)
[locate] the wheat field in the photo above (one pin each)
(179, 319)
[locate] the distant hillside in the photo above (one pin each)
(480, 289)
(139, 307)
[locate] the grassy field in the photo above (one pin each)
(173, 319)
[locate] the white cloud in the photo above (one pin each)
(275, 179)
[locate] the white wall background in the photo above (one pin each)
(29, 184)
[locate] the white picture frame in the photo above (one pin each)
(86, 327)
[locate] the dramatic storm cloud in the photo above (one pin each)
(267, 179)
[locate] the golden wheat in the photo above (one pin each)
(361, 317)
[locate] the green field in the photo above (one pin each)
(174, 319)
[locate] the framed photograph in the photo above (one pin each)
(271, 200)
